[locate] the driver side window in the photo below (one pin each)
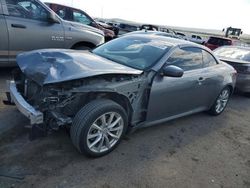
(187, 58)
(28, 9)
(81, 18)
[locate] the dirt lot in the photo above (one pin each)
(195, 151)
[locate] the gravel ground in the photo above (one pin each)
(195, 151)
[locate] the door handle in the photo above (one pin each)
(18, 26)
(201, 79)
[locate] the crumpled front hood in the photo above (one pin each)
(58, 65)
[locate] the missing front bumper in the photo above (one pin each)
(36, 117)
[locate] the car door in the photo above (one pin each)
(212, 78)
(29, 27)
(4, 53)
(172, 97)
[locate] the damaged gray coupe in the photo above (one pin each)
(130, 82)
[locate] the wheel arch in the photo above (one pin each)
(116, 97)
(86, 98)
(230, 86)
(83, 43)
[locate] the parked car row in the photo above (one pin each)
(69, 28)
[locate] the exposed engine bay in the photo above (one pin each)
(59, 102)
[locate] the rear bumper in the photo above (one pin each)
(36, 117)
(243, 82)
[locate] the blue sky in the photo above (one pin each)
(212, 14)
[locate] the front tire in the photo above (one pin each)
(221, 102)
(98, 127)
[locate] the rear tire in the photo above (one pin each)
(220, 102)
(98, 127)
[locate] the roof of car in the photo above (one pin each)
(170, 41)
(146, 32)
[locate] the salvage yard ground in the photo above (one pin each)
(195, 151)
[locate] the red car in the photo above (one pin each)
(77, 15)
(215, 42)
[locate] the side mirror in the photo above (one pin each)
(172, 71)
(93, 24)
(52, 18)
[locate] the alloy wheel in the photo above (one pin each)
(105, 132)
(222, 101)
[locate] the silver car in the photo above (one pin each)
(239, 58)
(130, 82)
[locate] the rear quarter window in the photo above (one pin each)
(208, 59)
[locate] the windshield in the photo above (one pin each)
(234, 53)
(136, 52)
